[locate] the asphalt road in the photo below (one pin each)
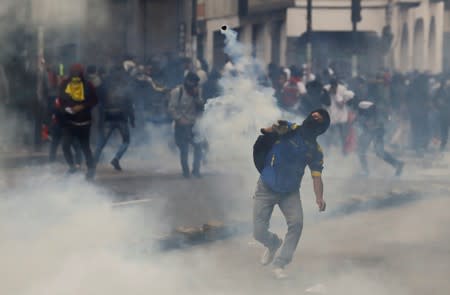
(380, 235)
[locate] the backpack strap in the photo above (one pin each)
(180, 94)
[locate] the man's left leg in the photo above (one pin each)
(387, 157)
(182, 139)
(291, 207)
(263, 204)
(83, 135)
(125, 134)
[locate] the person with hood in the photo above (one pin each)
(117, 111)
(281, 155)
(185, 106)
(77, 97)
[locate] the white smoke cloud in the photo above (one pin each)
(62, 236)
(231, 122)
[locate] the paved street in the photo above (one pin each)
(379, 235)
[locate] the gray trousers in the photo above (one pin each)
(291, 207)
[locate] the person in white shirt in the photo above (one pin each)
(339, 110)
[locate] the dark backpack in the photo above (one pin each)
(262, 147)
(200, 108)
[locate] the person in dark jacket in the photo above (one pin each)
(372, 129)
(117, 111)
(316, 96)
(56, 134)
(78, 97)
(293, 148)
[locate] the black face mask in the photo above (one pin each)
(311, 128)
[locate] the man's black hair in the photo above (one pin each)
(192, 77)
(295, 71)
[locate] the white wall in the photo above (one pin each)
(333, 20)
(58, 12)
(374, 19)
(220, 8)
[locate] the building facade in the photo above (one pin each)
(416, 26)
(261, 26)
(274, 30)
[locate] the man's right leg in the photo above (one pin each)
(182, 140)
(263, 204)
(291, 207)
(66, 146)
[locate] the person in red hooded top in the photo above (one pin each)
(77, 97)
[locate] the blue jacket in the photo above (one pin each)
(285, 163)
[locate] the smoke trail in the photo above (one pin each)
(231, 122)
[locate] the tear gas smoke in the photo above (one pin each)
(62, 236)
(231, 122)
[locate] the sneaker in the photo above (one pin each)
(269, 254)
(90, 174)
(399, 169)
(71, 170)
(196, 174)
(279, 273)
(116, 165)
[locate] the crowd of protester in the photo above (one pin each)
(404, 112)
(412, 109)
(86, 105)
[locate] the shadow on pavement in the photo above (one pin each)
(390, 200)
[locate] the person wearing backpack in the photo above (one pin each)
(185, 106)
(280, 155)
(117, 111)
